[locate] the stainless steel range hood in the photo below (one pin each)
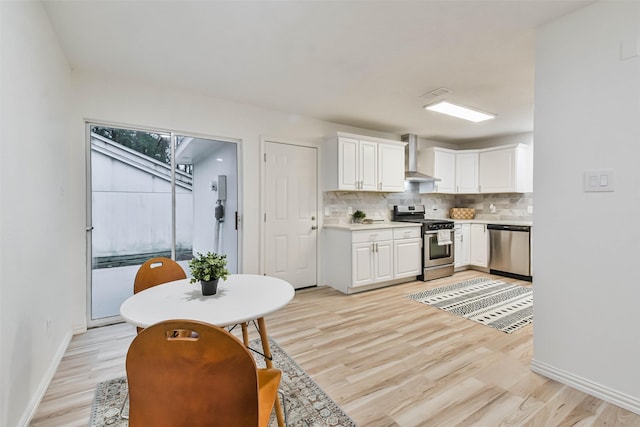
(412, 174)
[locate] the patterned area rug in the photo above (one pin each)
(307, 405)
(503, 306)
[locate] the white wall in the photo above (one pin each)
(131, 209)
(42, 222)
(587, 116)
(206, 170)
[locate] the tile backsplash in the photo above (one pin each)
(508, 206)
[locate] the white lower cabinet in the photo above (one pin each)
(462, 248)
(407, 259)
(479, 245)
(372, 262)
(379, 257)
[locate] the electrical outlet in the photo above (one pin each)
(530, 209)
(350, 210)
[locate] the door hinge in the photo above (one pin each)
(265, 217)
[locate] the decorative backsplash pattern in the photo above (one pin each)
(511, 206)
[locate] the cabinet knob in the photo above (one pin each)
(314, 227)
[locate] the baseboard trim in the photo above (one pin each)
(605, 393)
(31, 409)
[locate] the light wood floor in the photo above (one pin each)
(386, 360)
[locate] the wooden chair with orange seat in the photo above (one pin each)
(201, 369)
(157, 271)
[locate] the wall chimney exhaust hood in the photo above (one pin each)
(412, 174)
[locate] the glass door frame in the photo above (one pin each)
(89, 188)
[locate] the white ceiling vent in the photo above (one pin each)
(441, 91)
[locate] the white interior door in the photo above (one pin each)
(291, 236)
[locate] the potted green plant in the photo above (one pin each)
(208, 269)
(358, 216)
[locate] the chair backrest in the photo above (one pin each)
(156, 271)
(207, 378)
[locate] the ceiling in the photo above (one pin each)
(366, 64)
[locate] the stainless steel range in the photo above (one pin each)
(438, 241)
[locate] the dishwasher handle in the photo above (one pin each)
(525, 228)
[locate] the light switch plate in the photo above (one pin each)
(629, 46)
(598, 180)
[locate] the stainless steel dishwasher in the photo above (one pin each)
(510, 251)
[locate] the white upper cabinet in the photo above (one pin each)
(348, 166)
(390, 167)
(368, 165)
(439, 163)
(358, 163)
(505, 170)
(467, 172)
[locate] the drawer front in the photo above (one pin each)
(406, 233)
(364, 236)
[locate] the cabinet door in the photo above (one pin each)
(465, 239)
(368, 165)
(383, 261)
(457, 248)
(479, 245)
(443, 167)
(407, 256)
(497, 171)
(362, 264)
(390, 167)
(348, 164)
(467, 172)
(462, 247)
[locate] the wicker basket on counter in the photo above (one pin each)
(462, 213)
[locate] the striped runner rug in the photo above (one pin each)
(503, 306)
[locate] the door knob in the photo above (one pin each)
(313, 227)
(313, 218)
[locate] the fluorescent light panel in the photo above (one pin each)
(454, 110)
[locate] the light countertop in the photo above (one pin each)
(393, 224)
(493, 221)
(374, 226)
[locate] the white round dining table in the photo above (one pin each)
(239, 299)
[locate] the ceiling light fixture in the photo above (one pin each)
(460, 112)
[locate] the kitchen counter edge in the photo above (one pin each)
(374, 226)
(493, 221)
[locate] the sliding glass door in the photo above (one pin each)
(154, 194)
